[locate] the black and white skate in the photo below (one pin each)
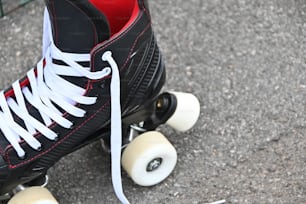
(100, 77)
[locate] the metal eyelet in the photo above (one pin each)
(56, 138)
(102, 85)
(23, 157)
(72, 126)
(85, 114)
(39, 149)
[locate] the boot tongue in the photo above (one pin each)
(77, 25)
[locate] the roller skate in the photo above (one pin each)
(99, 78)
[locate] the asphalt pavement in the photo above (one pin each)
(245, 61)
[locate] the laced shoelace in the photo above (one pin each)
(47, 88)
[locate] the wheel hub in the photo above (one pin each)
(154, 164)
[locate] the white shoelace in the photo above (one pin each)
(47, 88)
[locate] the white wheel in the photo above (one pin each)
(149, 159)
(33, 195)
(187, 111)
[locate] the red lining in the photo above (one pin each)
(119, 13)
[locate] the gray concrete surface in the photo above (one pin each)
(246, 61)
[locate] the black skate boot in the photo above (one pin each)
(99, 78)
